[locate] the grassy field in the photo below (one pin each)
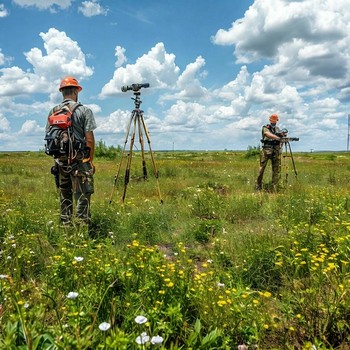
(216, 266)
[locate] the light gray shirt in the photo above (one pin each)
(83, 120)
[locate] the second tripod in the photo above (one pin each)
(136, 126)
(289, 153)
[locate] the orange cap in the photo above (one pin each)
(69, 81)
(273, 118)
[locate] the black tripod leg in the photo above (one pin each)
(128, 164)
(152, 157)
(116, 176)
(140, 125)
(291, 156)
(286, 167)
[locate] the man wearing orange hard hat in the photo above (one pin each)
(271, 150)
(74, 168)
(69, 82)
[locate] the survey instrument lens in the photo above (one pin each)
(134, 87)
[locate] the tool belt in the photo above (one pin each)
(78, 155)
(270, 144)
(70, 165)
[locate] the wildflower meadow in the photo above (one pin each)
(212, 264)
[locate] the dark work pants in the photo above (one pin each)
(76, 180)
(267, 154)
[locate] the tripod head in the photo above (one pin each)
(136, 88)
(283, 133)
(287, 139)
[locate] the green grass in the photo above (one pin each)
(215, 266)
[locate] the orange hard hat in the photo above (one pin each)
(273, 118)
(69, 81)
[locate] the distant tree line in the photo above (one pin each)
(252, 151)
(101, 150)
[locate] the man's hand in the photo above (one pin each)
(93, 168)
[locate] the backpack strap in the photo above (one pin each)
(71, 105)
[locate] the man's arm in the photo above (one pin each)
(90, 142)
(272, 136)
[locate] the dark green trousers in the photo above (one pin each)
(267, 154)
(76, 180)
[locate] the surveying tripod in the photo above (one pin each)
(136, 123)
(289, 153)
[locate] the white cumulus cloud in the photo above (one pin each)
(120, 55)
(63, 56)
(92, 8)
(3, 11)
(156, 67)
(31, 127)
(4, 124)
(44, 4)
(2, 58)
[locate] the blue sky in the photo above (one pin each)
(216, 68)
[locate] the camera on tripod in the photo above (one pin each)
(134, 87)
(283, 133)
